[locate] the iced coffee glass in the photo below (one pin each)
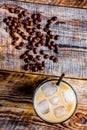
(54, 103)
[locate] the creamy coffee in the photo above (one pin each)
(55, 104)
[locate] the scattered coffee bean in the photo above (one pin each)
(18, 47)
(34, 16)
(31, 33)
(35, 50)
(54, 18)
(22, 44)
(41, 67)
(38, 44)
(38, 57)
(30, 23)
(35, 69)
(17, 10)
(35, 60)
(24, 13)
(34, 29)
(47, 25)
(43, 52)
(39, 34)
(43, 63)
(46, 56)
(27, 60)
(52, 43)
(28, 52)
(14, 43)
(49, 21)
(43, 37)
(29, 47)
(51, 47)
(56, 51)
(23, 56)
(52, 57)
(55, 60)
(39, 26)
(56, 37)
(32, 43)
(49, 33)
(30, 57)
(51, 36)
(34, 39)
(12, 10)
(30, 38)
(26, 67)
(46, 29)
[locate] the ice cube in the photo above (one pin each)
(60, 111)
(69, 96)
(55, 100)
(49, 89)
(43, 107)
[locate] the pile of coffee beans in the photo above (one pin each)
(28, 26)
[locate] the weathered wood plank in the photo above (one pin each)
(16, 110)
(74, 3)
(72, 28)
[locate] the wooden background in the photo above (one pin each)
(16, 89)
(72, 29)
(72, 3)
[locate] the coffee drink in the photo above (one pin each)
(54, 103)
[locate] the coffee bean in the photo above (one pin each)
(25, 37)
(49, 21)
(56, 46)
(51, 47)
(32, 43)
(20, 15)
(52, 43)
(18, 30)
(51, 36)
(8, 23)
(16, 38)
(31, 33)
(14, 24)
(49, 33)
(29, 47)
(54, 18)
(17, 10)
(23, 56)
(38, 57)
(43, 37)
(41, 67)
(30, 38)
(56, 51)
(34, 16)
(22, 44)
(38, 15)
(30, 23)
(18, 47)
(35, 50)
(12, 10)
(24, 13)
(34, 39)
(35, 69)
(38, 44)
(14, 43)
(38, 19)
(43, 52)
(8, 30)
(55, 60)
(47, 25)
(22, 34)
(43, 63)
(29, 30)
(39, 34)
(35, 22)
(48, 43)
(34, 29)
(26, 67)
(39, 26)
(28, 52)
(10, 18)
(5, 20)
(52, 57)
(35, 60)
(30, 57)
(27, 60)
(46, 56)
(46, 29)
(56, 37)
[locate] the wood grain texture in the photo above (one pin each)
(72, 28)
(74, 3)
(16, 110)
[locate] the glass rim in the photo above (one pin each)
(48, 80)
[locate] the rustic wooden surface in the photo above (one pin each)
(16, 111)
(71, 3)
(16, 89)
(72, 28)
